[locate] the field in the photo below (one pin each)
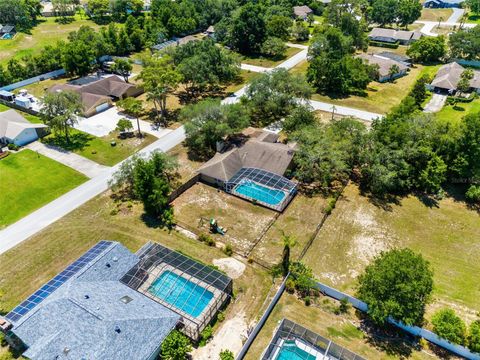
(446, 233)
(268, 62)
(346, 330)
(99, 149)
(47, 32)
(379, 97)
(435, 14)
(28, 181)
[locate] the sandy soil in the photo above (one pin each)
(230, 336)
(233, 267)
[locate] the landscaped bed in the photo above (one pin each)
(28, 181)
(446, 233)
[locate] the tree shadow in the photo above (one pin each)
(78, 141)
(385, 202)
(388, 339)
(429, 201)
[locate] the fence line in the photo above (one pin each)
(18, 107)
(184, 187)
(34, 79)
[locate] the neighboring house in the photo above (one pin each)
(174, 42)
(210, 31)
(448, 77)
(302, 12)
(86, 312)
(15, 129)
(7, 95)
(436, 4)
(384, 66)
(99, 95)
(394, 36)
(405, 60)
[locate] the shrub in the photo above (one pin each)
(226, 355)
(221, 316)
(290, 286)
(474, 336)
(307, 300)
(210, 241)
(228, 250)
(449, 326)
(205, 335)
(473, 194)
(203, 237)
(383, 44)
(13, 147)
(175, 346)
(330, 206)
(344, 306)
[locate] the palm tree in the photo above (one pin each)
(440, 19)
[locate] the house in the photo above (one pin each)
(15, 129)
(437, 4)
(7, 95)
(384, 66)
(448, 77)
(404, 59)
(302, 12)
(174, 42)
(86, 312)
(210, 31)
(394, 36)
(99, 95)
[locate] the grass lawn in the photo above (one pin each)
(99, 149)
(268, 62)
(450, 113)
(47, 32)
(244, 221)
(246, 76)
(446, 233)
(29, 265)
(39, 88)
(28, 181)
(186, 166)
(380, 97)
(473, 18)
(344, 329)
(435, 14)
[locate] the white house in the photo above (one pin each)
(15, 129)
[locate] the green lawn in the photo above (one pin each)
(244, 78)
(99, 149)
(268, 62)
(473, 18)
(29, 180)
(454, 114)
(47, 32)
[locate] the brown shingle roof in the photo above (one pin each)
(302, 11)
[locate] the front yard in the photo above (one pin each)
(259, 60)
(28, 181)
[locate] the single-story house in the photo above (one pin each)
(384, 66)
(174, 42)
(210, 31)
(394, 36)
(15, 129)
(437, 4)
(302, 12)
(404, 59)
(86, 312)
(99, 95)
(448, 77)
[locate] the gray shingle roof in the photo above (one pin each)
(384, 64)
(85, 318)
(449, 75)
(12, 124)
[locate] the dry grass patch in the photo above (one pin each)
(299, 220)
(435, 14)
(244, 221)
(446, 233)
(186, 167)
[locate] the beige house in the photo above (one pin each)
(384, 66)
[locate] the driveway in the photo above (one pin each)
(456, 15)
(435, 104)
(105, 122)
(70, 159)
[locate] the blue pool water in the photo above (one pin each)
(290, 351)
(260, 193)
(7, 36)
(181, 293)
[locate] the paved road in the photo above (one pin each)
(254, 68)
(40, 219)
(81, 164)
(429, 26)
(435, 104)
(346, 111)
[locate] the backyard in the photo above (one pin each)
(29, 180)
(47, 32)
(360, 228)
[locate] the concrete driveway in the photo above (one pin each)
(104, 123)
(70, 159)
(435, 104)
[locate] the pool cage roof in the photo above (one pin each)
(266, 179)
(305, 339)
(155, 259)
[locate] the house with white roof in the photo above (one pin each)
(15, 129)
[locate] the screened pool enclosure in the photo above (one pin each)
(263, 187)
(294, 342)
(191, 289)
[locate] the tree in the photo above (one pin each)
(209, 122)
(122, 67)
(16, 12)
(60, 110)
(397, 284)
(428, 49)
(474, 336)
(300, 117)
(124, 125)
(132, 107)
(392, 71)
(473, 194)
(279, 26)
(274, 47)
(300, 31)
(226, 355)
(175, 346)
(98, 9)
(419, 90)
(384, 12)
(474, 6)
(465, 77)
(247, 30)
(274, 95)
(78, 58)
(434, 175)
(408, 11)
(288, 243)
(465, 43)
(64, 9)
(160, 79)
(449, 326)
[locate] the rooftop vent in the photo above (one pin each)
(66, 350)
(115, 259)
(117, 330)
(108, 265)
(126, 299)
(87, 296)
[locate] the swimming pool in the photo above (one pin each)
(181, 293)
(260, 193)
(290, 351)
